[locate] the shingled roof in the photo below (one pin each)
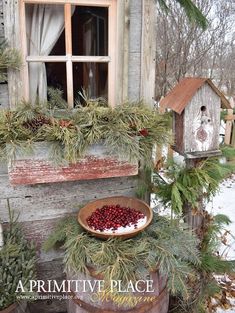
(178, 98)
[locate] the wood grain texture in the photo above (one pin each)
(55, 200)
(37, 167)
(123, 25)
(4, 96)
(134, 65)
(178, 127)
(1, 20)
(148, 51)
(205, 96)
(12, 34)
(228, 128)
(25, 172)
(85, 304)
(46, 271)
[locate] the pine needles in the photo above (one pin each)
(192, 12)
(9, 58)
(129, 131)
(17, 262)
(158, 248)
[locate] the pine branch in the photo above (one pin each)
(191, 10)
(159, 247)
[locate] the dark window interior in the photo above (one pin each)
(90, 31)
(56, 76)
(92, 77)
(89, 37)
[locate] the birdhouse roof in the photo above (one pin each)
(180, 96)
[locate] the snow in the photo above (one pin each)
(123, 230)
(224, 203)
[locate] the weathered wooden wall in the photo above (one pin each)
(42, 206)
(3, 86)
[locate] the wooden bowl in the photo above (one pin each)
(137, 204)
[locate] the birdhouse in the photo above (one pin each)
(196, 105)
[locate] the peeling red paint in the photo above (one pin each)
(31, 171)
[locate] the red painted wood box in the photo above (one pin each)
(38, 169)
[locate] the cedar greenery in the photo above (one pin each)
(71, 132)
(158, 247)
(180, 186)
(186, 185)
(17, 262)
(206, 286)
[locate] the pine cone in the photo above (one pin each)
(37, 123)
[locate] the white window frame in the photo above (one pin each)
(68, 57)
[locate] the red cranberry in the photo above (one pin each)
(113, 216)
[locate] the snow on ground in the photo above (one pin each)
(224, 203)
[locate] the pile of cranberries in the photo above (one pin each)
(112, 217)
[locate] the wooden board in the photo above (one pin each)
(50, 201)
(134, 64)
(37, 168)
(12, 34)
(158, 304)
(201, 128)
(4, 100)
(53, 270)
(148, 51)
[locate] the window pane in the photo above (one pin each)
(44, 75)
(92, 78)
(56, 77)
(90, 31)
(45, 29)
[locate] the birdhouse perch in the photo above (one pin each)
(196, 105)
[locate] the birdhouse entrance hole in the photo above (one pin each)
(203, 108)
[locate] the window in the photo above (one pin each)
(69, 45)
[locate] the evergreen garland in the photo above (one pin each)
(17, 262)
(128, 131)
(159, 247)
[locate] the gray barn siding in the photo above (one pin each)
(134, 74)
(3, 87)
(41, 207)
(1, 20)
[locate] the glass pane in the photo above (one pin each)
(56, 77)
(90, 31)
(92, 78)
(44, 75)
(45, 29)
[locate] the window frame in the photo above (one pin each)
(68, 58)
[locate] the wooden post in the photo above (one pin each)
(1, 237)
(148, 62)
(229, 125)
(11, 11)
(233, 136)
(194, 217)
(228, 129)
